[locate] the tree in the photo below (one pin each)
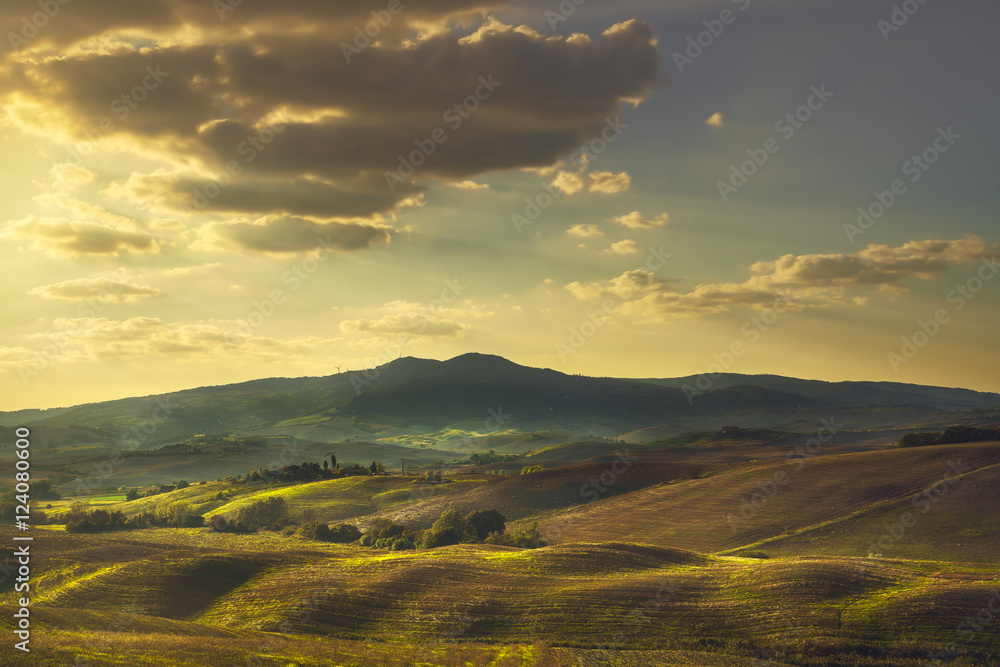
(263, 513)
(344, 533)
(131, 495)
(373, 467)
(486, 522)
(42, 490)
(326, 464)
(333, 461)
(450, 528)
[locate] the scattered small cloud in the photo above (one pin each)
(584, 231)
(608, 183)
(625, 247)
(636, 220)
(715, 120)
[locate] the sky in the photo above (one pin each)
(198, 193)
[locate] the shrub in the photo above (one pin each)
(263, 512)
(450, 528)
(486, 522)
(344, 533)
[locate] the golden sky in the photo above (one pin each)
(197, 193)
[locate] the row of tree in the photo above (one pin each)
(484, 526)
(951, 435)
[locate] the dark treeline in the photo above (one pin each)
(950, 436)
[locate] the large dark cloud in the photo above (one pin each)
(304, 130)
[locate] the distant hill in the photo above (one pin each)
(850, 393)
(424, 396)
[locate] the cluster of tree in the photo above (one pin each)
(485, 526)
(486, 458)
(135, 494)
(82, 520)
(270, 513)
(527, 470)
(42, 490)
(951, 435)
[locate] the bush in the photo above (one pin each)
(525, 538)
(344, 533)
(263, 512)
(486, 522)
(450, 528)
(403, 544)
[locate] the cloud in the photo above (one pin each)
(636, 220)
(625, 247)
(807, 281)
(286, 235)
(584, 231)
(568, 182)
(63, 237)
(405, 317)
(715, 120)
(469, 185)
(264, 111)
(608, 183)
(108, 290)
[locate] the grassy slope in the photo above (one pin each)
(584, 595)
(693, 514)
